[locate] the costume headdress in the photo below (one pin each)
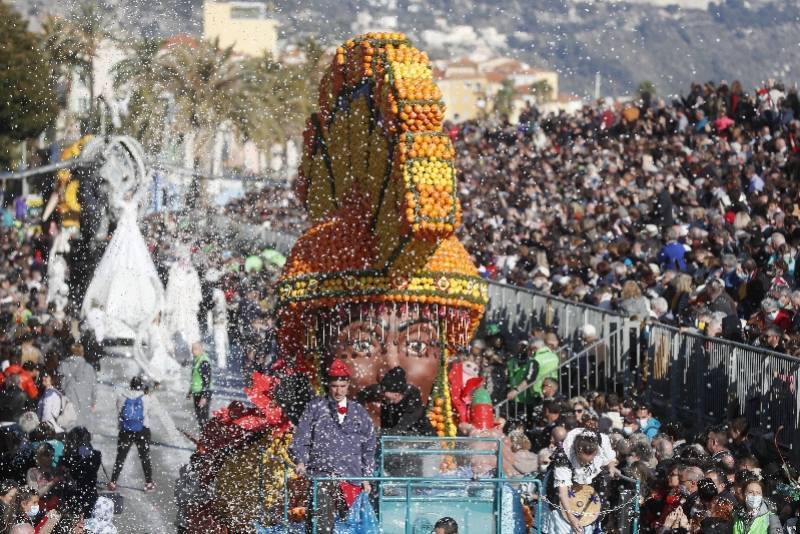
(378, 181)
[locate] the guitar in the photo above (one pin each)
(583, 503)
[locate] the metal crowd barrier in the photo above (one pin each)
(684, 372)
(419, 491)
(519, 311)
(714, 380)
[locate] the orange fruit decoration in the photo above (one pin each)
(378, 181)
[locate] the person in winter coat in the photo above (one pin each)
(27, 383)
(334, 437)
(79, 383)
(50, 404)
(83, 461)
(12, 400)
(133, 409)
(757, 515)
(101, 521)
(647, 424)
(402, 411)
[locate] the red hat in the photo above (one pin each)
(338, 369)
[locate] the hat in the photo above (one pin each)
(651, 229)
(338, 369)
(383, 209)
(588, 330)
(526, 462)
(28, 422)
(394, 380)
(481, 410)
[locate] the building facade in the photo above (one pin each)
(244, 25)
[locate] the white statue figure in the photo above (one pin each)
(125, 283)
(219, 315)
(183, 302)
(154, 348)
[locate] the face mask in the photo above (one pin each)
(543, 467)
(34, 511)
(643, 422)
(753, 501)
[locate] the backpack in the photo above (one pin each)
(132, 415)
(68, 416)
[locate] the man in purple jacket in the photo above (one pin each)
(335, 437)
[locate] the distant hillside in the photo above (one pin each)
(626, 42)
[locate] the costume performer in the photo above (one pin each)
(334, 438)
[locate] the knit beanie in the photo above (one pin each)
(394, 380)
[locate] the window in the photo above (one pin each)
(255, 11)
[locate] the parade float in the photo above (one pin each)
(379, 279)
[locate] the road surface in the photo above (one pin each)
(152, 513)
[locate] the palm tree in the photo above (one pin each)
(72, 45)
(148, 107)
(203, 80)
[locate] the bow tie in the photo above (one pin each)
(342, 409)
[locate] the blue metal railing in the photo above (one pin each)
(437, 482)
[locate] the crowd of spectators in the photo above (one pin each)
(663, 210)
(675, 210)
(693, 478)
(48, 465)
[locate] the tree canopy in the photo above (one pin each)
(27, 97)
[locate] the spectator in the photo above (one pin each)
(12, 399)
(79, 383)
(755, 515)
(445, 525)
(82, 461)
(50, 403)
(133, 409)
(8, 494)
(25, 378)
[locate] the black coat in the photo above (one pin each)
(12, 403)
(82, 464)
(407, 417)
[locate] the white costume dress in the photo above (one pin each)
(125, 284)
(152, 343)
(220, 328)
(57, 288)
(183, 302)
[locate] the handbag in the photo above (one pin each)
(361, 518)
(116, 497)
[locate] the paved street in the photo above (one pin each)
(152, 513)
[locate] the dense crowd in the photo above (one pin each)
(693, 478)
(682, 211)
(685, 211)
(48, 465)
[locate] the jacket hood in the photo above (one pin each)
(129, 393)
